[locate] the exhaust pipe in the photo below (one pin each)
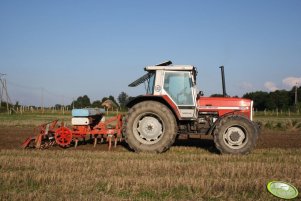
(223, 81)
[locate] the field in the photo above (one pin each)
(190, 170)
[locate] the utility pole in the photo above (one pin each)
(42, 100)
(1, 92)
(63, 107)
(296, 95)
(4, 92)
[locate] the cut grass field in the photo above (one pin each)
(180, 174)
(280, 123)
(30, 119)
(185, 172)
(35, 119)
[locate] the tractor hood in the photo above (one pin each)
(224, 105)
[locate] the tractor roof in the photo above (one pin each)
(167, 66)
(170, 68)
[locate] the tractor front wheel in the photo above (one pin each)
(150, 127)
(235, 134)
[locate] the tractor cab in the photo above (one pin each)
(175, 84)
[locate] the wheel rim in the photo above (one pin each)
(235, 137)
(148, 128)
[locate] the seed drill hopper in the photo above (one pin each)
(88, 122)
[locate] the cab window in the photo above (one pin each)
(178, 85)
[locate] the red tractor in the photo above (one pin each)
(172, 106)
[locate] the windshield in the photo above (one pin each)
(150, 84)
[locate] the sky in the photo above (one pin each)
(53, 51)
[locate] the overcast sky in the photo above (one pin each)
(66, 48)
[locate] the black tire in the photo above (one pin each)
(150, 127)
(235, 134)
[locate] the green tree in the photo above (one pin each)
(281, 99)
(260, 99)
(58, 106)
(82, 102)
(123, 99)
(97, 104)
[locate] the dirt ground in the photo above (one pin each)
(13, 137)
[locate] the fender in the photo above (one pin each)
(162, 99)
(235, 112)
(220, 118)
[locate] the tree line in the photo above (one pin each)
(279, 99)
(81, 102)
(84, 101)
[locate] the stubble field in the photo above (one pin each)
(190, 170)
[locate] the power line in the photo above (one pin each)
(23, 86)
(4, 92)
(44, 93)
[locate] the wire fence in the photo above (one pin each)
(278, 113)
(62, 110)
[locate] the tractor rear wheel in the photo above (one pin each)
(150, 127)
(235, 134)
